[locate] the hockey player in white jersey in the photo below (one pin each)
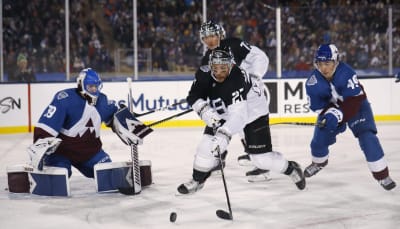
(250, 58)
(228, 101)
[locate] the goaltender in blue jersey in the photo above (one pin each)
(336, 94)
(68, 134)
(73, 119)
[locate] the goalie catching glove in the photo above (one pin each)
(40, 149)
(206, 113)
(129, 129)
(220, 141)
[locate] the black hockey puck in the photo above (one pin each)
(172, 217)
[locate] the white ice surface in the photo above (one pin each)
(343, 195)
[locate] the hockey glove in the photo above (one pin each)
(332, 118)
(220, 141)
(42, 148)
(207, 114)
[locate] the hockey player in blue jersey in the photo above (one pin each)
(227, 100)
(335, 93)
(70, 127)
(397, 76)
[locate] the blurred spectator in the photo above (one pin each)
(169, 30)
(302, 65)
(23, 73)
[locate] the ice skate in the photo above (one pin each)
(190, 187)
(314, 168)
(297, 175)
(387, 183)
(244, 160)
(258, 175)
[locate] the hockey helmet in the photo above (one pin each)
(327, 52)
(220, 56)
(89, 85)
(210, 28)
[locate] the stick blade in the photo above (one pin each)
(224, 215)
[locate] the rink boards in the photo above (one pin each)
(22, 104)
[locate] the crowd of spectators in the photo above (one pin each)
(169, 29)
(36, 30)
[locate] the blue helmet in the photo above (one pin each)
(327, 52)
(89, 85)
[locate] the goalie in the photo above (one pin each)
(68, 132)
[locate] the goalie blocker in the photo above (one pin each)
(54, 181)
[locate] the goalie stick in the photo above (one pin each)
(136, 183)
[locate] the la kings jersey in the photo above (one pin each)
(77, 123)
(237, 100)
(252, 59)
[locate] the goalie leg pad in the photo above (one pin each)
(114, 175)
(51, 181)
(146, 177)
(18, 178)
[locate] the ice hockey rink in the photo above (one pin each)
(343, 195)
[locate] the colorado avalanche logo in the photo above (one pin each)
(312, 80)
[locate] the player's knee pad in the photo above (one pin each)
(371, 146)
(273, 161)
(204, 160)
(51, 181)
(113, 175)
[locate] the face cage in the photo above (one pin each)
(90, 97)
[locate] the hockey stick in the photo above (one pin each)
(319, 124)
(136, 183)
(294, 123)
(222, 213)
(170, 117)
(161, 108)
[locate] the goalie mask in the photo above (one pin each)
(220, 62)
(89, 85)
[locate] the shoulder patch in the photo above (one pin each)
(62, 95)
(205, 68)
(312, 81)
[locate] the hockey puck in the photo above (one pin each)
(172, 217)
